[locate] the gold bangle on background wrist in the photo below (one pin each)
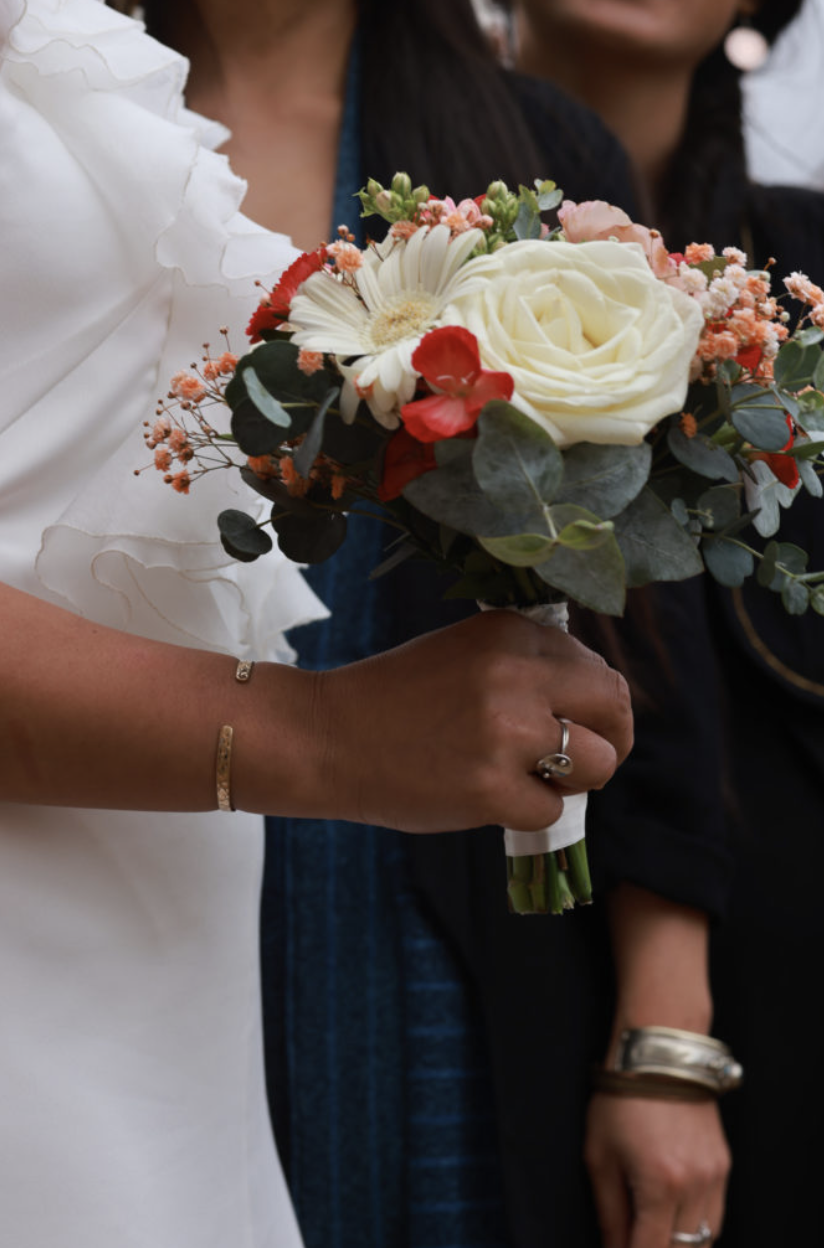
(670, 1063)
(223, 761)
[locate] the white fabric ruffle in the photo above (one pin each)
(123, 251)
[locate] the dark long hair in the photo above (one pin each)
(711, 152)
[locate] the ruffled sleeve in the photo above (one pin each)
(124, 251)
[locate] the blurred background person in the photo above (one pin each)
(658, 73)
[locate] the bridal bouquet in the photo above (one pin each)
(554, 414)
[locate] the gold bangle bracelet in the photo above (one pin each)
(223, 768)
(223, 762)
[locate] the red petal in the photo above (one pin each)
(749, 358)
(489, 386)
(405, 459)
(438, 416)
(276, 311)
(448, 358)
(785, 468)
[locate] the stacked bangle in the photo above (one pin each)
(223, 761)
(665, 1062)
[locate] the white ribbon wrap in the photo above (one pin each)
(571, 826)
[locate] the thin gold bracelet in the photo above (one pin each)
(223, 762)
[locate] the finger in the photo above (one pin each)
(703, 1207)
(652, 1224)
(593, 759)
(584, 689)
(612, 1204)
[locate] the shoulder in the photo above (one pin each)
(583, 156)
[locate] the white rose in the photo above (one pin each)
(599, 348)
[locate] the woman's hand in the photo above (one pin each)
(439, 734)
(444, 732)
(656, 1167)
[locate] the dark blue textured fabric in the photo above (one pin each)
(378, 1076)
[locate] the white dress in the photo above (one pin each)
(132, 1103)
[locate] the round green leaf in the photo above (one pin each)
(241, 537)
(654, 545)
(593, 578)
(309, 539)
(795, 596)
(604, 479)
(515, 461)
(702, 455)
(720, 506)
(523, 550)
(728, 563)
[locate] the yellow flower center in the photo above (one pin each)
(404, 316)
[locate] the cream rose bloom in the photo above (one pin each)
(598, 347)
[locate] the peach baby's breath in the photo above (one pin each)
(348, 258)
(187, 386)
(698, 253)
(309, 362)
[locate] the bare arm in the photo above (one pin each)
(439, 734)
(657, 1165)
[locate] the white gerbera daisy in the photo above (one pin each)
(399, 292)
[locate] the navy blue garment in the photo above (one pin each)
(378, 1078)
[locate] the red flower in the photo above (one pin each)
(273, 311)
(405, 459)
(750, 358)
(448, 359)
(784, 466)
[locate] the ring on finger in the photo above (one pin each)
(551, 766)
(700, 1237)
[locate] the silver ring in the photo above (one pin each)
(702, 1236)
(559, 764)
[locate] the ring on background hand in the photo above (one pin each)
(559, 764)
(702, 1236)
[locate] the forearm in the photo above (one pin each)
(439, 734)
(90, 716)
(660, 956)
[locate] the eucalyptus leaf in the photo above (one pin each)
(515, 461)
(451, 495)
(654, 545)
(809, 477)
(241, 537)
(593, 578)
(795, 596)
(528, 222)
(818, 373)
(604, 479)
(761, 419)
(522, 550)
(811, 418)
(578, 528)
(729, 563)
(720, 506)
(795, 365)
(265, 403)
(309, 449)
(701, 455)
(253, 432)
(680, 511)
(309, 539)
(275, 366)
(817, 599)
(766, 568)
(810, 336)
